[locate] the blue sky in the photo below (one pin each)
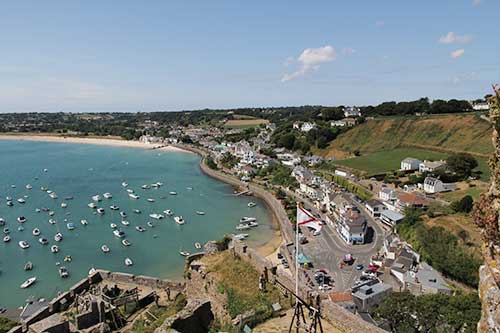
(172, 55)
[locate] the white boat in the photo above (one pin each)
(54, 249)
(28, 283)
(70, 226)
(133, 196)
(252, 204)
(114, 207)
(63, 272)
(29, 187)
(2, 222)
(58, 237)
(28, 266)
(140, 229)
(242, 226)
(197, 245)
(43, 241)
(168, 212)
(21, 219)
(179, 220)
(52, 221)
(145, 187)
(45, 170)
(6, 239)
(43, 188)
(184, 253)
(130, 190)
(105, 249)
(172, 193)
(151, 200)
(246, 219)
(84, 222)
(21, 200)
(68, 258)
(126, 242)
(24, 244)
(20, 228)
(96, 198)
(156, 216)
(100, 211)
(64, 205)
(92, 271)
(51, 213)
(36, 232)
(137, 211)
(150, 224)
(107, 195)
(189, 188)
(38, 210)
(92, 205)
(124, 184)
(240, 236)
(9, 203)
(6, 231)
(119, 233)
(199, 212)
(126, 223)
(128, 262)
(53, 195)
(253, 224)
(123, 214)
(113, 226)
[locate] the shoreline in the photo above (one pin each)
(92, 141)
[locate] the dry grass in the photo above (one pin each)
(246, 122)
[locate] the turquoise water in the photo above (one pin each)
(84, 170)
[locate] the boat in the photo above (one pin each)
(124, 184)
(13, 186)
(21, 219)
(6, 231)
(8, 198)
(172, 193)
(246, 219)
(53, 195)
(2, 222)
(253, 224)
(45, 170)
(118, 233)
(140, 229)
(189, 188)
(197, 245)
(68, 258)
(70, 226)
(251, 204)
(54, 249)
(44, 189)
(9, 203)
(105, 249)
(184, 253)
(126, 242)
(151, 200)
(96, 198)
(52, 221)
(137, 211)
(20, 228)
(24, 244)
(125, 223)
(168, 212)
(28, 266)
(100, 211)
(58, 237)
(179, 220)
(242, 226)
(107, 195)
(43, 241)
(21, 200)
(28, 283)
(113, 226)
(84, 222)
(199, 212)
(36, 232)
(130, 190)
(128, 262)
(64, 205)
(240, 236)
(150, 224)
(63, 272)
(29, 187)
(156, 216)
(114, 207)
(6, 239)
(133, 196)
(51, 213)
(145, 187)
(92, 270)
(68, 198)
(92, 205)
(123, 214)
(38, 210)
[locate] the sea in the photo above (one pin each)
(82, 171)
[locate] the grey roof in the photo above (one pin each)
(392, 215)
(365, 292)
(374, 202)
(410, 160)
(429, 277)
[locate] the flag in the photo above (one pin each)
(307, 219)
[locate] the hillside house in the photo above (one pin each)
(346, 122)
(352, 111)
(410, 163)
(375, 207)
(368, 297)
(390, 217)
(434, 185)
(352, 226)
(306, 127)
(483, 106)
(411, 200)
(431, 166)
(387, 194)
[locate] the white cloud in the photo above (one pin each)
(453, 38)
(457, 53)
(380, 24)
(310, 60)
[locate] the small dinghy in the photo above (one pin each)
(9, 203)
(168, 212)
(64, 205)
(6, 231)
(24, 244)
(151, 200)
(28, 266)
(58, 237)
(137, 211)
(63, 272)
(84, 222)
(107, 195)
(150, 224)
(68, 258)
(252, 204)
(28, 283)
(20, 228)
(184, 253)
(125, 223)
(179, 220)
(54, 249)
(51, 213)
(140, 229)
(197, 245)
(100, 211)
(92, 205)
(123, 214)
(21, 219)
(43, 241)
(105, 249)
(199, 212)
(52, 221)
(172, 193)
(124, 184)
(70, 226)
(126, 242)
(113, 226)
(6, 239)
(114, 207)
(128, 262)
(21, 200)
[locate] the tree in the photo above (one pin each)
(462, 164)
(463, 205)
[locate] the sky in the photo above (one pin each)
(94, 55)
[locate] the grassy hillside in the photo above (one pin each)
(445, 133)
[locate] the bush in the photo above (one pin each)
(463, 205)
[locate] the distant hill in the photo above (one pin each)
(445, 133)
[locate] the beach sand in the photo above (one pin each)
(93, 141)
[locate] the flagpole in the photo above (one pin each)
(297, 254)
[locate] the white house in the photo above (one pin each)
(484, 106)
(434, 185)
(352, 111)
(352, 226)
(375, 207)
(387, 194)
(390, 217)
(431, 166)
(346, 122)
(341, 173)
(306, 127)
(410, 163)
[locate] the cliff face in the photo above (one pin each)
(487, 216)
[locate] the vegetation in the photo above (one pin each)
(461, 164)
(404, 312)
(209, 161)
(6, 324)
(464, 205)
(292, 139)
(440, 248)
(229, 160)
(419, 106)
(358, 190)
(278, 174)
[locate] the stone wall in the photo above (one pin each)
(142, 280)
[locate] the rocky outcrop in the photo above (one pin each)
(487, 217)
(196, 317)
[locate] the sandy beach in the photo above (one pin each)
(93, 141)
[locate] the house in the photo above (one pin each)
(411, 200)
(313, 160)
(390, 247)
(387, 194)
(311, 191)
(352, 111)
(410, 163)
(368, 297)
(434, 185)
(247, 170)
(390, 217)
(346, 122)
(426, 280)
(302, 175)
(482, 106)
(406, 260)
(374, 207)
(306, 127)
(342, 173)
(352, 226)
(431, 166)
(296, 125)
(289, 160)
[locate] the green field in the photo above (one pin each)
(390, 160)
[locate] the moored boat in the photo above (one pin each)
(252, 204)
(197, 245)
(70, 226)
(172, 193)
(92, 205)
(119, 233)
(156, 216)
(63, 272)
(100, 211)
(199, 212)
(140, 229)
(184, 253)
(168, 212)
(43, 241)
(28, 266)
(126, 242)
(54, 249)
(24, 244)
(125, 223)
(133, 196)
(128, 262)
(6, 239)
(84, 222)
(28, 282)
(179, 220)
(58, 237)
(123, 214)
(35, 232)
(105, 249)
(114, 207)
(107, 195)
(21, 219)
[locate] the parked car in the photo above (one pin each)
(359, 267)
